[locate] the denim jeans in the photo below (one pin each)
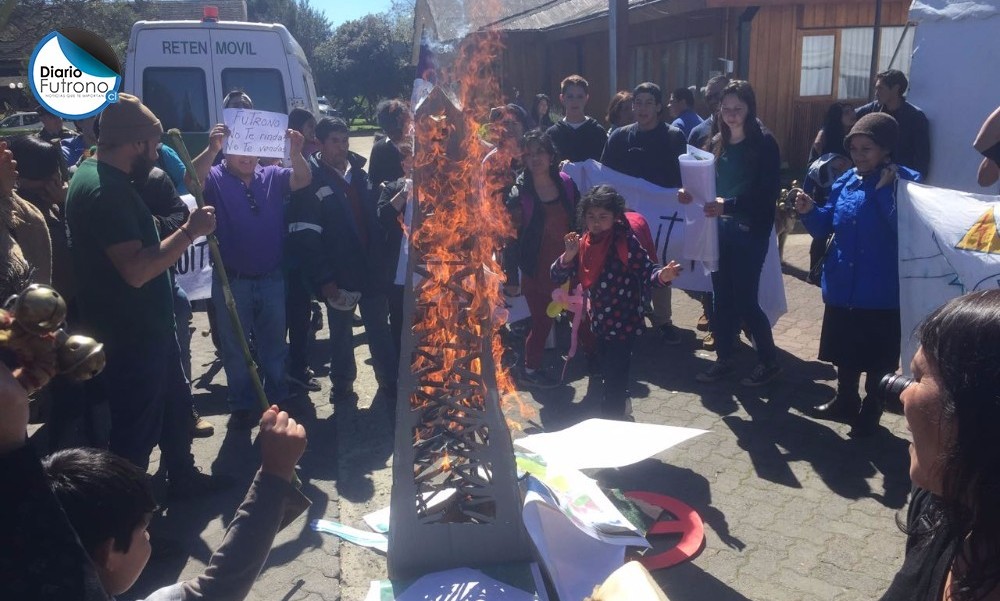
(150, 402)
(616, 360)
(385, 358)
(260, 304)
(182, 317)
(736, 286)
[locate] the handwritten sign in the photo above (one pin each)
(255, 133)
(194, 269)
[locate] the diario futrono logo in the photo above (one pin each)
(74, 73)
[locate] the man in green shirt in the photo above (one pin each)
(125, 293)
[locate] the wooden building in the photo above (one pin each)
(800, 56)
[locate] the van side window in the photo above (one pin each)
(265, 86)
(177, 96)
(31, 118)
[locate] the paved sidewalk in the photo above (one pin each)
(793, 508)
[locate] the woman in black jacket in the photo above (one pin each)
(542, 203)
(747, 181)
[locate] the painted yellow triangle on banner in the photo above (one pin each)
(982, 236)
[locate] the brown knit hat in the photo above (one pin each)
(880, 127)
(128, 120)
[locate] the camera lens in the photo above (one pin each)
(892, 385)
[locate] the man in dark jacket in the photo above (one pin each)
(914, 147)
(577, 137)
(334, 233)
(649, 149)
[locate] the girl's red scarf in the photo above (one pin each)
(594, 252)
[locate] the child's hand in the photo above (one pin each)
(282, 442)
(889, 175)
(670, 272)
(572, 241)
(803, 203)
(684, 197)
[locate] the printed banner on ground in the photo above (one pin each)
(948, 246)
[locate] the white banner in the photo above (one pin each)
(948, 246)
(194, 269)
(666, 220)
(255, 133)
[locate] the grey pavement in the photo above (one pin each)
(793, 508)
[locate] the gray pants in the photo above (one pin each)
(662, 310)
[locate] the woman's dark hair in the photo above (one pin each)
(537, 137)
(104, 496)
(537, 102)
(601, 196)
(298, 118)
(833, 128)
(36, 158)
(962, 340)
(392, 116)
(751, 127)
(619, 102)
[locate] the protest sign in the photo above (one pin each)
(701, 239)
(668, 223)
(194, 269)
(255, 133)
(948, 246)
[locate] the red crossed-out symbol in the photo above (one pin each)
(687, 523)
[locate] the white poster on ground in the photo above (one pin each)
(667, 222)
(948, 246)
(194, 269)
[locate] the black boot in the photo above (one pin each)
(842, 408)
(845, 406)
(867, 420)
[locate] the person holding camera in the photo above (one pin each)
(952, 409)
(860, 274)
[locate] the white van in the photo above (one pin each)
(183, 69)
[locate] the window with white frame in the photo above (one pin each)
(838, 63)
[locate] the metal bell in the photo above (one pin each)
(80, 357)
(39, 309)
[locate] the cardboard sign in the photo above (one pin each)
(255, 133)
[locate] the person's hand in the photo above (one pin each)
(295, 141)
(512, 290)
(201, 222)
(889, 175)
(714, 209)
(282, 442)
(217, 137)
(684, 197)
(804, 203)
(670, 271)
(8, 171)
(572, 241)
(13, 412)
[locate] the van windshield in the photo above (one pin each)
(177, 96)
(264, 86)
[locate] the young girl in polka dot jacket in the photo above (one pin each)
(615, 271)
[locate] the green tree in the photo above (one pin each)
(306, 24)
(364, 61)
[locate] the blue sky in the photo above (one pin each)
(338, 11)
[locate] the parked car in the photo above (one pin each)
(20, 123)
(325, 110)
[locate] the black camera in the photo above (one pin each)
(891, 386)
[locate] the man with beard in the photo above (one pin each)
(125, 297)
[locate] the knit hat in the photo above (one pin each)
(128, 120)
(880, 127)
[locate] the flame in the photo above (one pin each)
(464, 223)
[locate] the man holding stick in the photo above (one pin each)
(250, 201)
(125, 296)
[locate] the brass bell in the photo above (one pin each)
(39, 309)
(80, 357)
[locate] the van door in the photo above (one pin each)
(174, 77)
(254, 62)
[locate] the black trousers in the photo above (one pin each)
(616, 359)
